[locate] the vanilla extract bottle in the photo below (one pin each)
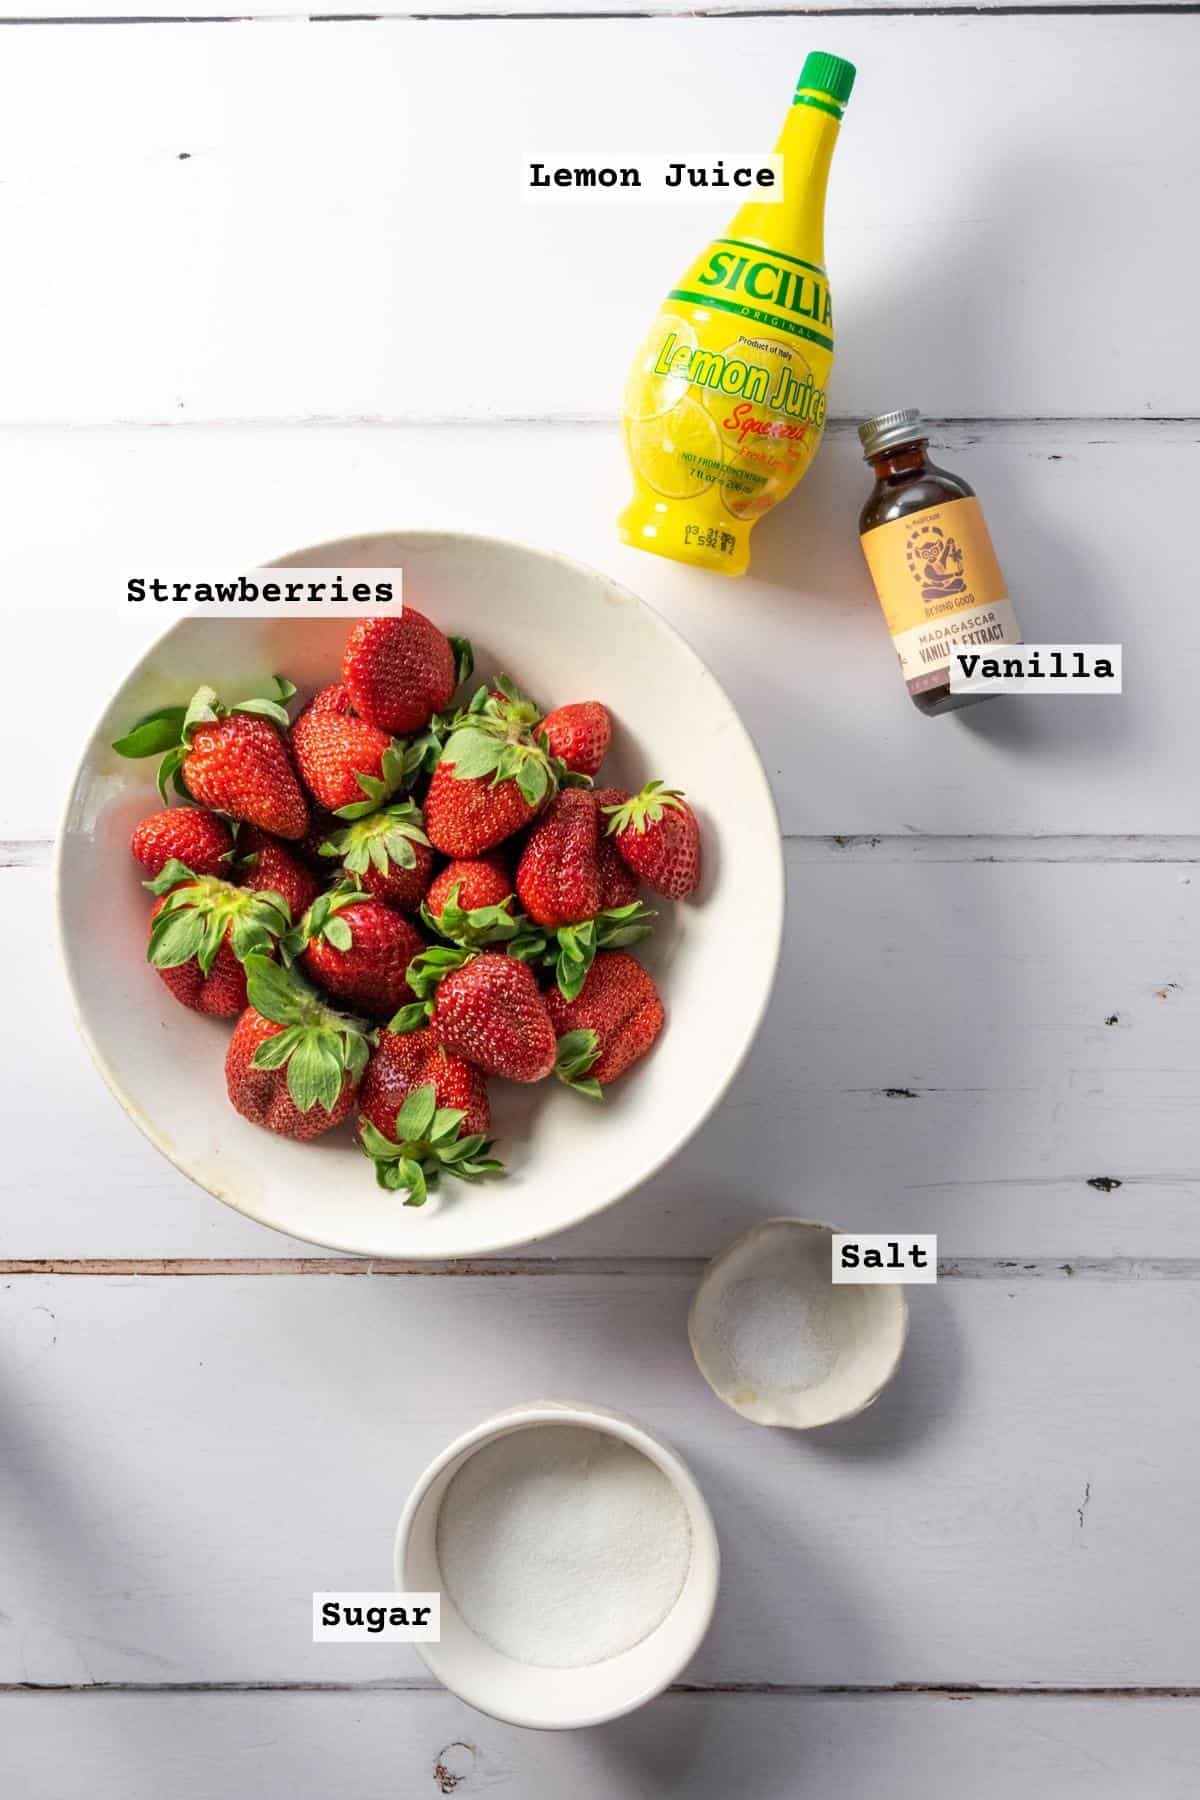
(930, 555)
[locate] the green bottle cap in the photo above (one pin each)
(828, 74)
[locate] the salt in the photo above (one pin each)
(562, 1546)
(777, 1334)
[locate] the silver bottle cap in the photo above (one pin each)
(888, 429)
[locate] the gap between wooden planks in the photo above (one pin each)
(36, 853)
(783, 1690)
(961, 1268)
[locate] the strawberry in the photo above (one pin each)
(466, 816)
(358, 949)
(493, 774)
(400, 671)
(484, 1007)
(609, 1026)
(201, 931)
(183, 834)
(233, 761)
(333, 748)
(387, 854)
(293, 1065)
(404, 1061)
(471, 882)
(579, 735)
(423, 1112)
(558, 876)
(267, 866)
(568, 881)
(657, 835)
(618, 883)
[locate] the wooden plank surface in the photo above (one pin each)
(800, 644)
(1007, 1054)
(189, 1459)
(235, 267)
(406, 1746)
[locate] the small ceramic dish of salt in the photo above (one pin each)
(576, 1560)
(779, 1342)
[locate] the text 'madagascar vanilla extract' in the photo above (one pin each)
(931, 558)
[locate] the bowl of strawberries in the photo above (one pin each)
(423, 933)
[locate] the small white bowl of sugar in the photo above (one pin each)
(778, 1341)
(576, 1559)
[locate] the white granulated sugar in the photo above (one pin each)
(562, 1546)
(777, 1330)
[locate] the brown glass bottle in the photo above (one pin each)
(936, 578)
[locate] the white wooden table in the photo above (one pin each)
(236, 252)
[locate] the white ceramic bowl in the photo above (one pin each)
(557, 1699)
(564, 632)
(778, 1265)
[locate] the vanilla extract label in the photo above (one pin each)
(654, 180)
(977, 668)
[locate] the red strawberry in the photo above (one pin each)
(400, 671)
(558, 876)
(466, 817)
(359, 949)
(219, 991)
(423, 1113)
(657, 835)
(618, 883)
(185, 834)
(201, 929)
(493, 775)
(293, 1066)
(403, 1061)
(267, 866)
(486, 1008)
(321, 828)
(480, 881)
(613, 1021)
(232, 760)
(240, 766)
(333, 748)
(386, 853)
(579, 735)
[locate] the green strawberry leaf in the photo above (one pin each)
(265, 709)
(473, 753)
(337, 932)
(416, 1115)
(157, 732)
(412, 1176)
(285, 690)
(533, 779)
(170, 772)
(273, 1052)
(175, 938)
(170, 876)
(410, 1018)
(464, 659)
(578, 1051)
(203, 708)
(277, 993)
(445, 1124)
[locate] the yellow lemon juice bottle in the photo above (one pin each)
(725, 402)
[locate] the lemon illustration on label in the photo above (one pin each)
(677, 454)
(647, 395)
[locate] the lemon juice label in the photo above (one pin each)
(726, 400)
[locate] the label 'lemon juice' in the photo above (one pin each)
(725, 402)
